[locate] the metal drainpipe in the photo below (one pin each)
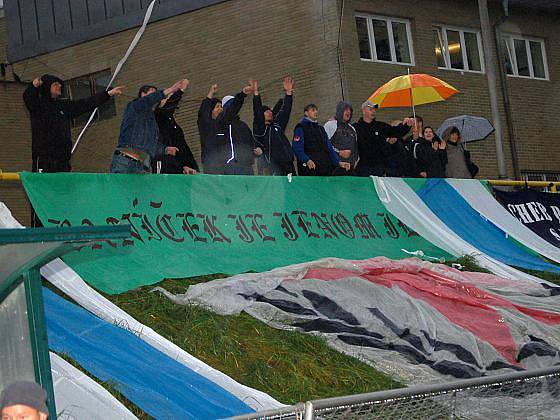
(505, 88)
(489, 59)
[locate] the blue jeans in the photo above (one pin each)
(125, 165)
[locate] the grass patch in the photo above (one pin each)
(288, 365)
(469, 264)
(545, 275)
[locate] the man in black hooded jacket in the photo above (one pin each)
(213, 122)
(171, 134)
(51, 121)
(269, 127)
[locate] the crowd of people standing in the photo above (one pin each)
(151, 140)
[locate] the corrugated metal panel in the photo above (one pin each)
(40, 26)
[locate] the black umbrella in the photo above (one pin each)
(472, 128)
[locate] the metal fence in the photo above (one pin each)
(520, 395)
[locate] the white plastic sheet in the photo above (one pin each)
(480, 199)
(397, 196)
(68, 281)
(412, 319)
(77, 396)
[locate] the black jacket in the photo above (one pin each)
(272, 138)
(213, 132)
(51, 119)
(171, 134)
(373, 148)
(429, 160)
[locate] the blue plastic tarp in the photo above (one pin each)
(466, 222)
(159, 385)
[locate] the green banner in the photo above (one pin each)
(186, 226)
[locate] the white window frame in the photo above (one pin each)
(510, 51)
(442, 34)
(371, 39)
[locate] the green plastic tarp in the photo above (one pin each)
(186, 226)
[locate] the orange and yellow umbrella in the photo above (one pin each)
(411, 90)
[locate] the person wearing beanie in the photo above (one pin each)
(343, 136)
(51, 121)
(212, 123)
(269, 126)
(24, 399)
(171, 134)
(138, 143)
(312, 147)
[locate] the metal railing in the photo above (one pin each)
(552, 185)
(527, 394)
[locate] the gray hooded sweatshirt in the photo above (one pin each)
(344, 136)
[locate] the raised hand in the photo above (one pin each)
(249, 89)
(289, 84)
(116, 91)
(183, 84)
(254, 85)
(213, 90)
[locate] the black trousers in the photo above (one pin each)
(45, 164)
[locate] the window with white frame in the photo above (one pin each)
(525, 57)
(458, 49)
(384, 39)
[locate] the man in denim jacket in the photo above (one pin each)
(138, 140)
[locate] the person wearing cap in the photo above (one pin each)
(212, 123)
(269, 126)
(171, 134)
(138, 141)
(51, 121)
(343, 136)
(240, 145)
(312, 147)
(374, 138)
(23, 400)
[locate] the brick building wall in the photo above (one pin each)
(228, 43)
(534, 102)
(15, 139)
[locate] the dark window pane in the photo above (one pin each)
(79, 89)
(400, 37)
(363, 38)
(521, 57)
(108, 109)
(454, 48)
(381, 35)
(471, 47)
(507, 56)
(438, 48)
(538, 60)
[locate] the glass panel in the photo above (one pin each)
(521, 57)
(473, 53)
(538, 60)
(79, 89)
(438, 48)
(16, 357)
(108, 109)
(507, 56)
(400, 37)
(363, 38)
(454, 47)
(382, 46)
